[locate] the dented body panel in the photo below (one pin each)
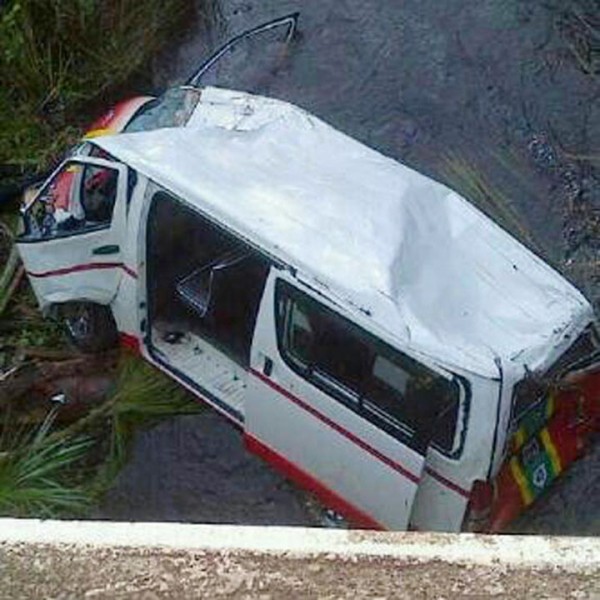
(404, 264)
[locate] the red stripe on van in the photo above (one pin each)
(129, 341)
(328, 497)
(336, 427)
(447, 483)
(84, 267)
(129, 271)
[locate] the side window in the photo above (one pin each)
(388, 388)
(79, 198)
(98, 194)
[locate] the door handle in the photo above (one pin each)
(109, 249)
(267, 366)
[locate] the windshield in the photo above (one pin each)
(533, 390)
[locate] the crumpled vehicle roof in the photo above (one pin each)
(407, 256)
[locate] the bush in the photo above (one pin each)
(58, 57)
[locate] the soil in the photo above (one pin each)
(195, 468)
(508, 87)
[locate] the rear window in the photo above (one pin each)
(533, 389)
(388, 388)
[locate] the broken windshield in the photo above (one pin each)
(172, 109)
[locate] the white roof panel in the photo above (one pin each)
(426, 265)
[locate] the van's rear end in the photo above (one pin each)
(553, 420)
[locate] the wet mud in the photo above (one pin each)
(195, 469)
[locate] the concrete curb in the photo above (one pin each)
(568, 554)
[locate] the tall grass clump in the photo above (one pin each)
(143, 397)
(35, 469)
(60, 57)
(49, 471)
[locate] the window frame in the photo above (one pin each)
(155, 192)
(100, 224)
(353, 400)
(83, 161)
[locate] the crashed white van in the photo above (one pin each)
(367, 329)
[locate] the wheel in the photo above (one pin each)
(90, 327)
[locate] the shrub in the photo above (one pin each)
(57, 56)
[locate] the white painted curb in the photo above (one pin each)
(572, 554)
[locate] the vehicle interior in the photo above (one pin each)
(204, 290)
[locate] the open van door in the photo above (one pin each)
(337, 410)
(267, 36)
(73, 232)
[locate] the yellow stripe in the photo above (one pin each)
(97, 133)
(519, 438)
(551, 450)
(519, 477)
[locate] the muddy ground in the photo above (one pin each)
(506, 88)
(194, 468)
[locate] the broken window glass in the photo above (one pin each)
(78, 198)
(172, 109)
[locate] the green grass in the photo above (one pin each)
(48, 471)
(62, 63)
(34, 472)
(143, 397)
(61, 60)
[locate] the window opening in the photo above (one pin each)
(98, 194)
(201, 279)
(79, 198)
(390, 389)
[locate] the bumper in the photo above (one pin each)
(539, 454)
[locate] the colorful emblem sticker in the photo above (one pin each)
(535, 466)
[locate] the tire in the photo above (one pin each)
(90, 327)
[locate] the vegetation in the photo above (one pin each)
(62, 63)
(143, 396)
(61, 58)
(51, 470)
(34, 471)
